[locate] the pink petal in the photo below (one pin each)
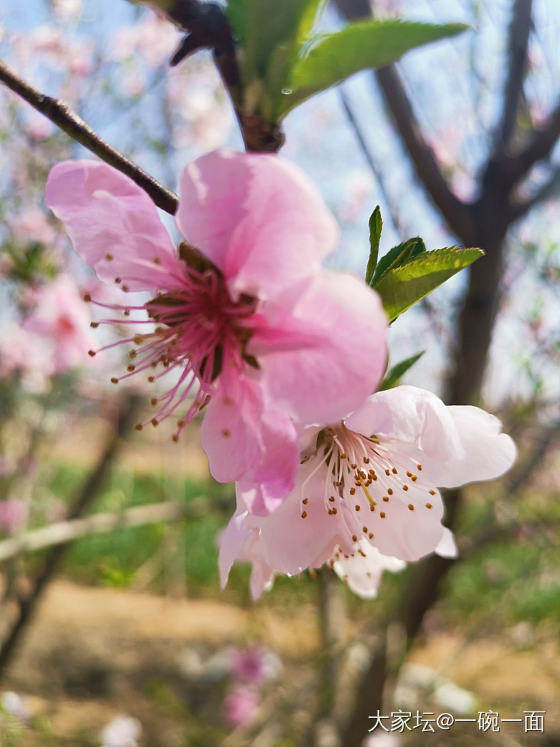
(245, 436)
(114, 225)
(447, 547)
(404, 533)
(321, 347)
(487, 452)
(411, 416)
(455, 445)
(289, 543)
(257, 217)
(363, 573)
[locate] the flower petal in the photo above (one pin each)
(257, 217)
(289, 543)
(455, 445)
(363, 570)
(114, 225)
(487, 452)
(244, 436)
(321, 347)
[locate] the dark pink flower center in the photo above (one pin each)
(197, 328)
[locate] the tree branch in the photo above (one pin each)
(374, 168)
(208, 28)
(547, 190)
(64, 532)
(518, 41)
(74, 126)
(538, 148)
(455, 212)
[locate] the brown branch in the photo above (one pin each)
(456, 213)
(539, 147)
(518, 41)
(208, 28)
(86, 495)
(550, 188)
(74, 126)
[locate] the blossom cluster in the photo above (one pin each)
(283, 358)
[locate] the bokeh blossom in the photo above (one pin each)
(13, 514)
(251, 326)
(240, 705)
(370, 480)
(61, 316)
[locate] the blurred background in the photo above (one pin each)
(113, 627)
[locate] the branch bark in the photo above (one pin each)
(61, 115)
(519, 29)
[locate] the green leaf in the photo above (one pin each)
(396, 372)
(397, 256)
(330, 58)
(270, 34)
(375, 228)
(401, 287)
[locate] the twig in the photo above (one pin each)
(64, 532)
(368, 155)
(61, 115)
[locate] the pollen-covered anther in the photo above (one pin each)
(386, 498)
(382, 514)
(114, 380)
(410, 507)
(357, 507)
(156, 261)
(154, 401)
(91, 353)
(366, 460)
(94, 325)
(432, 492)
(305, 501)
(304, 514)
(154, 422)
(394, 470)
(175, 437)
(225, 433)
(354, 538)
(352, 491)
(109, 257)
(405, 487)
(390, 491)
(139, 426)
(131, 367)
(331, 499)
(151, 379)
(419, 467)
(87, 297)
(428, 505)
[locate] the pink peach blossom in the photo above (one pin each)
(251, 325)
(63, 318)
(240, 705)
(13, 514)
(370, 480)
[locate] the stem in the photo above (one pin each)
(61, 115)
